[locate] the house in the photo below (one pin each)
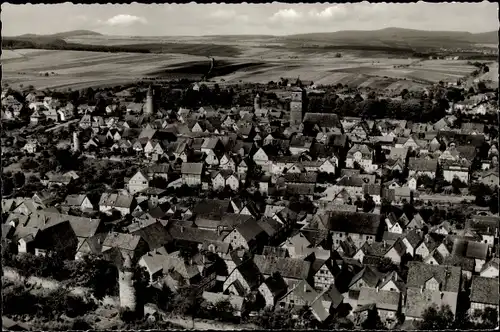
(191, 173)
(373, 190)
(272, 289)
(122, 203)
(324, 272)
(138, 182)
(129, 245)
(396, 251)
(429, 243)
(153, 263)
(248, 235)
(483, 294)
(78, 201)
(243, 279)
(489, 178)
(485, 226)
(292, 270)
(303, 294)
(455, 170)
(420, 166)
(360, 227)
(490, 269)
(261, 158)
(411, 241)
(361, 155)
(431, 285)
(388, 303)
(37, 117)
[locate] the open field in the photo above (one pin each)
(81, 69)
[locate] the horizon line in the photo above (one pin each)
(240, 34)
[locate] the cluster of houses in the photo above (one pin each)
(269, 251)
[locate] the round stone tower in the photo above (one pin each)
(126, 284)
(76, 142)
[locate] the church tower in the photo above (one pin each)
(257, 103)
(148, 108)
(297, 106)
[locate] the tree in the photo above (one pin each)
(279, 319)
(223, 310)
(19, 179)
(386, 265)
(434, 319)
(489, 317)
(372, 321)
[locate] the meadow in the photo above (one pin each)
(62, 69)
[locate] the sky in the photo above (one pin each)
(193, 19)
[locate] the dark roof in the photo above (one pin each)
(484, 290)
(250, 273)
(352, 222)
(276, 285)
(422, 165)
(191, 234)
(477, 250)
(419, 273)
(249, 229)
(122, 241)
(212, 207)
(293, 268)
(300, 188)
(301, 177)
(155, 235)
(192, 168)
(369, 276)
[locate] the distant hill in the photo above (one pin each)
(397, 37)
(67, 34)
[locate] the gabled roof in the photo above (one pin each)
(293, 268)
(484, 290)
(385, 300)
(192, 168)
(155, 235)
(250, 229)
(422, 165)
(121, 241)
(351, 222)
(369, 276)
(419, 273)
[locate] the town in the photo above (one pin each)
(313, 166)
(286, 205)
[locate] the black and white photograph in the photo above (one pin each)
(244, 166)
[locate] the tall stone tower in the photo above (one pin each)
(126, 285)
(297, 106)
(76, 142)
(257, 103)
(148, 108)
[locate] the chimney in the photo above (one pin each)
(182, 229)
(377, 289)
(421, 289)
(385, 243)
